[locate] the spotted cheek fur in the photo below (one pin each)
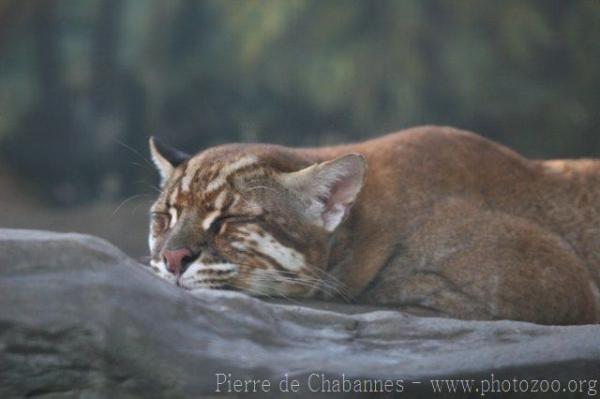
(248, 258)
(208, 274)
(244, 263)
(266, 267)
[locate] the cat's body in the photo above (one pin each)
(445, 223)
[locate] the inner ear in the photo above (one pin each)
(330, 187)
(166, 158)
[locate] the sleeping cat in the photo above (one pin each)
(431, 220)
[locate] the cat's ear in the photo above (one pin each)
(165, 158)
(330, 187)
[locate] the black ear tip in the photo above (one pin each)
(173, 156)
(158, 143)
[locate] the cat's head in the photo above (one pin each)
(257, 218)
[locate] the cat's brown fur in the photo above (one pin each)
(446, 223)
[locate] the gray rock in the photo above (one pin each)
(78, 318)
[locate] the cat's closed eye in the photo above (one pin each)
(218, 223)
(160, 222)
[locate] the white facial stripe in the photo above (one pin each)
(198, 268)
(173, 213)
(222, 267)
(227, 170)
(216, 184)
(287, 257)
(209, 219)
(190, 171)
(220, 200)
(173, 196)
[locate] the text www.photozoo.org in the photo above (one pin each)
(317, 382)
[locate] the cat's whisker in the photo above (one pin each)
(334, 284)
(255, 291)
(251, 290)
(152, 186)
(136, 152)
(127, 200)
(138, 205)
(306, 281)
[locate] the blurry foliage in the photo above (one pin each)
(82, 80)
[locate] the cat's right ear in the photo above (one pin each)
(165, 158)
(331, 187)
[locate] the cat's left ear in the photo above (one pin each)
(165, 158)
(330, 188)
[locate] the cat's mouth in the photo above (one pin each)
(194, 284)
(199, 276)
(197, 285)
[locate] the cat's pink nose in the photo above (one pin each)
(176, 260)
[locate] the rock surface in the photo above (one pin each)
(79, 318)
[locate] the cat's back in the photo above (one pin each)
(433, 161)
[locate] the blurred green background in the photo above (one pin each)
(83, 83)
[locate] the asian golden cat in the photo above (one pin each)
(431, 220)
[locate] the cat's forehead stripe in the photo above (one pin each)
(191, 169)
(227, 170)
(174, 194)
(220, 200)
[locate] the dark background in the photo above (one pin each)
(83, 83)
